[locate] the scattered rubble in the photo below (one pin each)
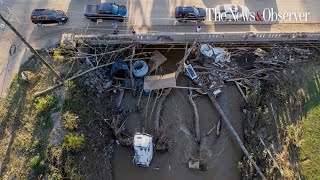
(98, 80)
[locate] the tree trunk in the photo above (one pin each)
(234, 133)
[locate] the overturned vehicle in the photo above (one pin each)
(143, 149)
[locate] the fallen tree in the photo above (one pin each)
(232, 130)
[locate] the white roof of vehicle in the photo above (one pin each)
(234, 7)
(228, 7)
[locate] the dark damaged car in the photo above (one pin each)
(48, 16)
(190, 13)
(106, 11)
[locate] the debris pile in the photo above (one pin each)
(208, 67)
(247, 66)
(98, 80)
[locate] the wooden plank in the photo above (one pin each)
(156, 60)
(159, 81)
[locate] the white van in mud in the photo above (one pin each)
(143, 149)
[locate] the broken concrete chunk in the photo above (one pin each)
(68, 39)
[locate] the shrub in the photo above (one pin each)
(74, 142)
(37, 165)
(70, 120)
(57, 56)
(44, 104)
(55, 174)
(293, 134)
(62, 46)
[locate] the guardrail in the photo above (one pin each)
(161, 38)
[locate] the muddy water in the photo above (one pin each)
(221, 154)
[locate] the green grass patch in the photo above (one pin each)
(310, 147)
(74, 142)
(25, 121)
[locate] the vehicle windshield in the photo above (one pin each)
(53, 13)
(196, 11)
(115, 9)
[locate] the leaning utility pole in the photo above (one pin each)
(31, 48)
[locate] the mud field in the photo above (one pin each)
(220, 154)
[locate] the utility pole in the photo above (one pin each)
(31, 48)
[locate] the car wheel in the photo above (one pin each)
(120, 20)
(60, 22)
(179, 20)
(93, 20)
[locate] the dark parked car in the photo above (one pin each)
(48, 16)
(190, 13)
(106, 11)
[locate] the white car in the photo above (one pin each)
(231, 12)
(143, 149)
